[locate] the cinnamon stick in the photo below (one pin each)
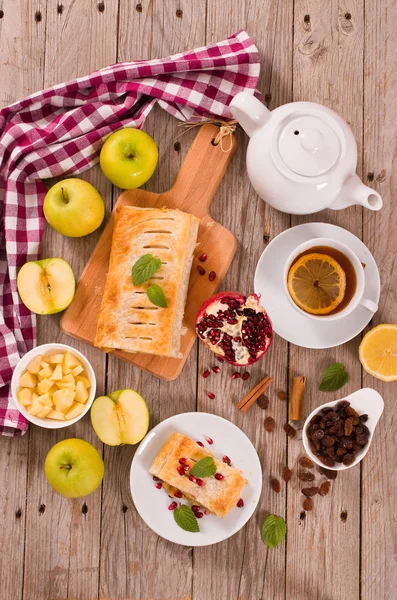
(253, 395)
(296, 400)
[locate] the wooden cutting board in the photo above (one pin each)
(193, 191)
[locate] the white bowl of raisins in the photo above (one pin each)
(337, 435)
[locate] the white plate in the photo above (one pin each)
(288, 322)
(152, 504)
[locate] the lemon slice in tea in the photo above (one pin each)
(317, 283)
(378, 352)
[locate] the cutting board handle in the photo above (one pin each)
(201, 171)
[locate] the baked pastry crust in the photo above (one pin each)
(127, 319)
(219, 497)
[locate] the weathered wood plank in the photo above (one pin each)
(22, 48)
(62, 542)
(250, 571)
(322, 548)
(379, 482)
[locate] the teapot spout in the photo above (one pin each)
(249, 112)
(355, 192)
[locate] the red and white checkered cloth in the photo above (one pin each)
(60, 131)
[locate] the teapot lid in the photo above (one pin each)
(309, 145)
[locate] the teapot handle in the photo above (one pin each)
(249, 112)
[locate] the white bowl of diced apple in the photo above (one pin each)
(53, 386)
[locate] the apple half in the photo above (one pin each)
(46, 286)
(121, 417)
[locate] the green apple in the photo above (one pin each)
(74, 468)
(73, 207)
(128, 158)
(121, 417)
(46, 286)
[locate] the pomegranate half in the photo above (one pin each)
(235, 327)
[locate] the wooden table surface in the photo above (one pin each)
(337, 52)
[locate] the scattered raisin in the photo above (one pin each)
(308, 504)
(287, 474)
(305, 461)
(289, 430)
(328, 474)
(310, 491)
(276, 486)
(263, 402)
(324, 488)
(270, 424)
(306, 476)
(282, 395)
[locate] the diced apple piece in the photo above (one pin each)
(55, 359)
(57, 374)
(70, 362)
(35, 408)
(84, 380)
(44, 412)
(28, 380)
(34, 365)
(77, 370)
(81, 393)
(63, 399)
(56, 414)
(65, 386)
(25, 396)
(75, 411)
(44, 386)
(45, 373)
(46, 399)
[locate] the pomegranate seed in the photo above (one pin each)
(212, 276)
(203, 257)
(200, 482)
(200, 444)
(210, 441)
(206, 373)
(199, 514)
(200, 270)
(226, 460)
(245, 376)
(240, 503)
(172, 506)
(159, 486)
(182, 460)
(211, 395)
(220, 359)
(180, 470)
(219, 476)
(236, 375)
(177, 494)
(155, 478)
(192, 478)
(216, 369)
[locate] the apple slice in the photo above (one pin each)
(46, 286)
(122, 417)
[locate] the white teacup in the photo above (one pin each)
(358, 296)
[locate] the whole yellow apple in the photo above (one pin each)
(73, 207)
(128, 158)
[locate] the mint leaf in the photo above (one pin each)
(186, 519)
(334, 378)
(273, 531)
(144, 268)
(204, 467)
(156, 295)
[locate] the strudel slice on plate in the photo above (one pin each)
(127, 319)
(217, 496)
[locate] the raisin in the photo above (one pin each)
(324, 488)
(363, 418)
(287, 474)
(348, 459)
(276, 486)
(305, 461)
(263, 402)
(308, 504)
(282, 395)
(270, 424)
(306, 476)
(310, 491)
(327, 461)
(289, 430)
(328, 474)
(349, 410)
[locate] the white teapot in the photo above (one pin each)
(301, 157)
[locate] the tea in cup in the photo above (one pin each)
(324, 279)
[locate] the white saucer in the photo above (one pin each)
(288, 322)
(152, 504)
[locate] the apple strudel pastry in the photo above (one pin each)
(128, 320)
